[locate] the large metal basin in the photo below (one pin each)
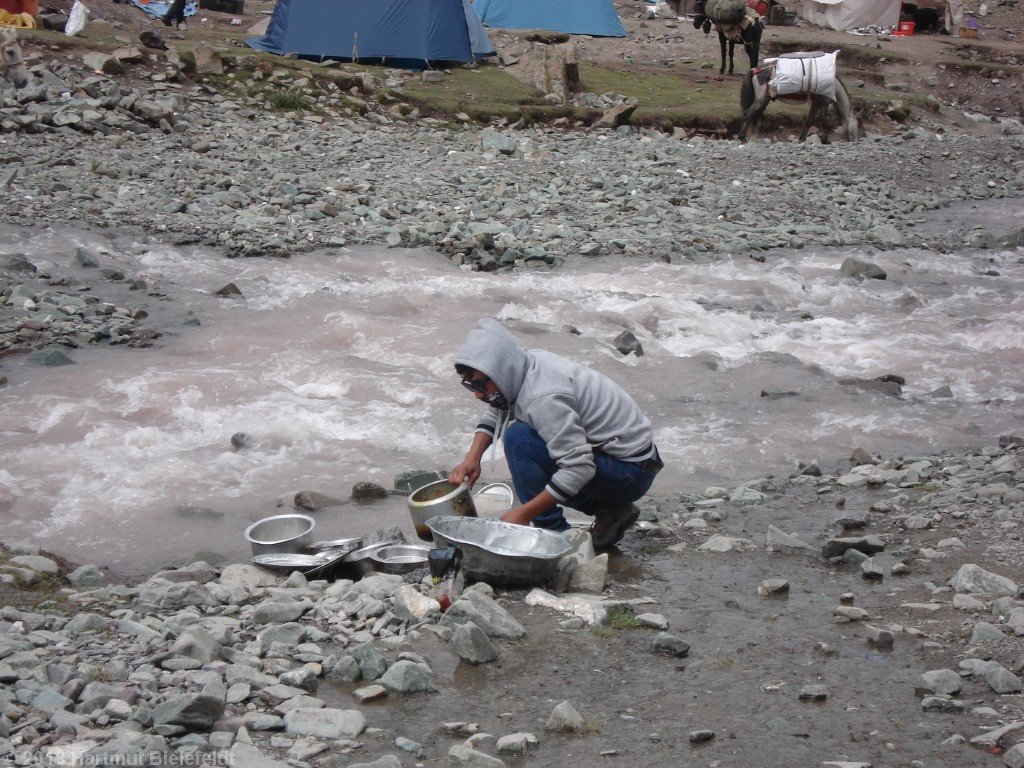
(498, 552)
(280, 533)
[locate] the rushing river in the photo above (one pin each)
(339, 364)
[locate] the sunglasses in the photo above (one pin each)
(480, 385)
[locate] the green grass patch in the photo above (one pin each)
(622, 618)
(284, 100)
(483, 93)
(668, 98)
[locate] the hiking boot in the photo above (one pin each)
(610, 525)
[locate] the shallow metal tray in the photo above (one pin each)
(292, 561)
(311, 565)
(499, 552)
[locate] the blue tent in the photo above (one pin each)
(576, 17)
(401, 32)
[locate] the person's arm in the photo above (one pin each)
(469, 469)
(538, 505)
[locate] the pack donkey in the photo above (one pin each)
(755, 95)
(749, 35)
(12, 65)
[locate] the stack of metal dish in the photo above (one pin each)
(283, 542)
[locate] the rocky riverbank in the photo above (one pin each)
(188, 164)
(895, 580)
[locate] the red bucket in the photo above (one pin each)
(759, 6)
(905, 29)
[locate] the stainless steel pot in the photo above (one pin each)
(280, 534)
(439, 498)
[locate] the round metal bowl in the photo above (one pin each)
(356, 565)
(400, 558)
(280, 534)
(499, 552)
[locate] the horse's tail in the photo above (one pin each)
(747, 91)
(847, 116)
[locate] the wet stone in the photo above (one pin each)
(878, 637)
(813, 693)
(871, 569)
(515, 743)
(460, 756)
(565, 719)
(942, 704)
(369, 693)
(669, 645)
(773, 588)
(1002, 680)
(472, 644)
(406, 677)
(701, 736)
(939, 681)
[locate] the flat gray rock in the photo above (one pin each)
(325, 723)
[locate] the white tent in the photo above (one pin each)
(852, 14)
(845, 15)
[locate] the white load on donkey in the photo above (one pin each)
(802, 77)
(12, 66)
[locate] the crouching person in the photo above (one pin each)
(572, 436)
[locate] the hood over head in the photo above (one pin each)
(493, 351)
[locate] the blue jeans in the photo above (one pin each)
(616, 483)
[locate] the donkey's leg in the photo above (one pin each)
(732, 55)
(812, 115)
(752, 43)
(722, 43)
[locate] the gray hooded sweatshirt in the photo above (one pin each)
(575, 410)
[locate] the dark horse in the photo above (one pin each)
(755, 96)
(749, 37)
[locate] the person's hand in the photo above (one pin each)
(516, 516)
(468, 471)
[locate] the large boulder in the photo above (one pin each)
(476, 607)
(472, 644)
(408, 677)
(975, 579)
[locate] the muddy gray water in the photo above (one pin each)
(339, 364)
